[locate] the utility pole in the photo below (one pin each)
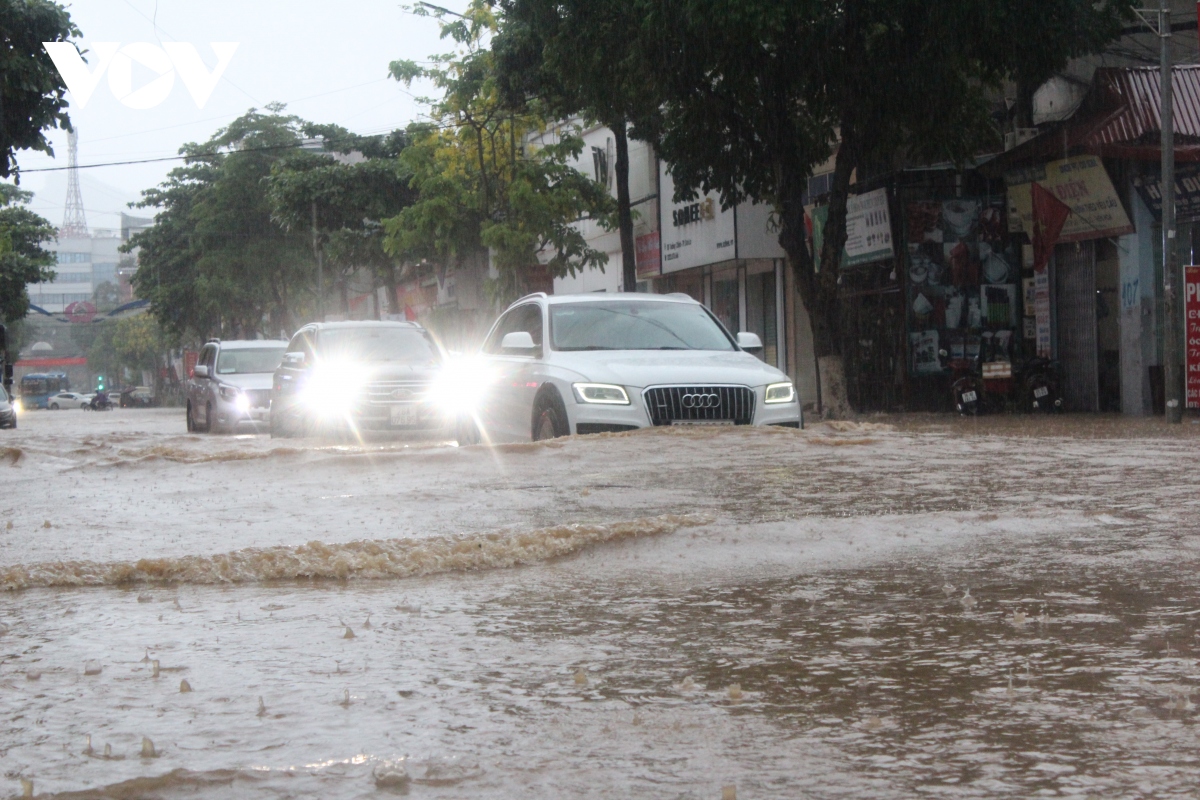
(1172, 277)
(319, 252)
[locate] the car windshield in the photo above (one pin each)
(403, 345)
(249, 361)
(635, 325)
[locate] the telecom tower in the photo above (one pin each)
(74, 223)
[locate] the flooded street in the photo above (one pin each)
(910, 607)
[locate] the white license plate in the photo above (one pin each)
(1041, 392)
(403, 416)
(969, 397)
(702, 422)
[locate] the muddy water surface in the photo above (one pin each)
(863, 613)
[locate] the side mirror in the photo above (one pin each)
(294, 360)
(200, 371)
(749, 341)
(518, 340)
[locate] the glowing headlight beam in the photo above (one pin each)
(780, 393)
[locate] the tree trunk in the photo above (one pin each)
(829, 345)
(818, 288)
(624, 210)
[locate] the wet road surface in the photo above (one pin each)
(918, 607)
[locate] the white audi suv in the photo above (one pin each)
(557, 365)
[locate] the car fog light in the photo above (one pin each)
(780, 393)
(601, 394)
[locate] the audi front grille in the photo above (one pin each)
(669, 404)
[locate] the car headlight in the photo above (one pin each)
(601, 394)
(461, 385)
(780, 393)
(234, 395)
(334, 389)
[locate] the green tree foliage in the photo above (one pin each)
(32, 93)
(347, 201)
(581, 57)
(215, 262)
(477, 186)
(22, 259)
(755, 93)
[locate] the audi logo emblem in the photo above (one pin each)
(701, 401)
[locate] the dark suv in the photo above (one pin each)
(348, 377)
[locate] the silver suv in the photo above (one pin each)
(231, 384)
(349, 377)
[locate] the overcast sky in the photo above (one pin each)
(327, 61)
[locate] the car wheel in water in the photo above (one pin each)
(207, 426)
(466, 432)
(191, 421)
(549, 418)
(54, 406)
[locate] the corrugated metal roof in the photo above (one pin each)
(1121, 118)
(1134, 99)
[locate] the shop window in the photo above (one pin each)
(725, 300)
(761, 315)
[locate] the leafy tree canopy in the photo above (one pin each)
(32, 93)
(477, 185)
(215, 262)
(22, 259)
(755, 93)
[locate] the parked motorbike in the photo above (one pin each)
(967, 390)
(1039, 386)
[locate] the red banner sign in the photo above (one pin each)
(190, 357)
(649, 256)
(1191, 314)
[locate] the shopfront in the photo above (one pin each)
(730, 260)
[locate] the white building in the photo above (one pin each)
(84, 262)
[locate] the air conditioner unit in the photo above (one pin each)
(1019, 137)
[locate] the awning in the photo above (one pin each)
(1120, 118)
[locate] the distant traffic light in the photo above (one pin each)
(100, 383)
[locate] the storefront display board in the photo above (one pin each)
(1191, 314)
(1083, 185)
(963, 282)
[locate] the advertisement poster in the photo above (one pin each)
(1041, 312)
(649, 260)
(1083, 185)
(1191, 315)
(868, 229)
(963, 282)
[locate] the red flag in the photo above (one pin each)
(1049, 216)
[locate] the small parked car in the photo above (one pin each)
(349, 377)
(8, 409)
(230, 387)
(556, 365)
(137, 397)
(66, 400)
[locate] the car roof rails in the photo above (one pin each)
(529, 297)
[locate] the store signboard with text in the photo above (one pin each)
(868, 229)
(693, 232)
(1191, 313)
(1083, 185)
